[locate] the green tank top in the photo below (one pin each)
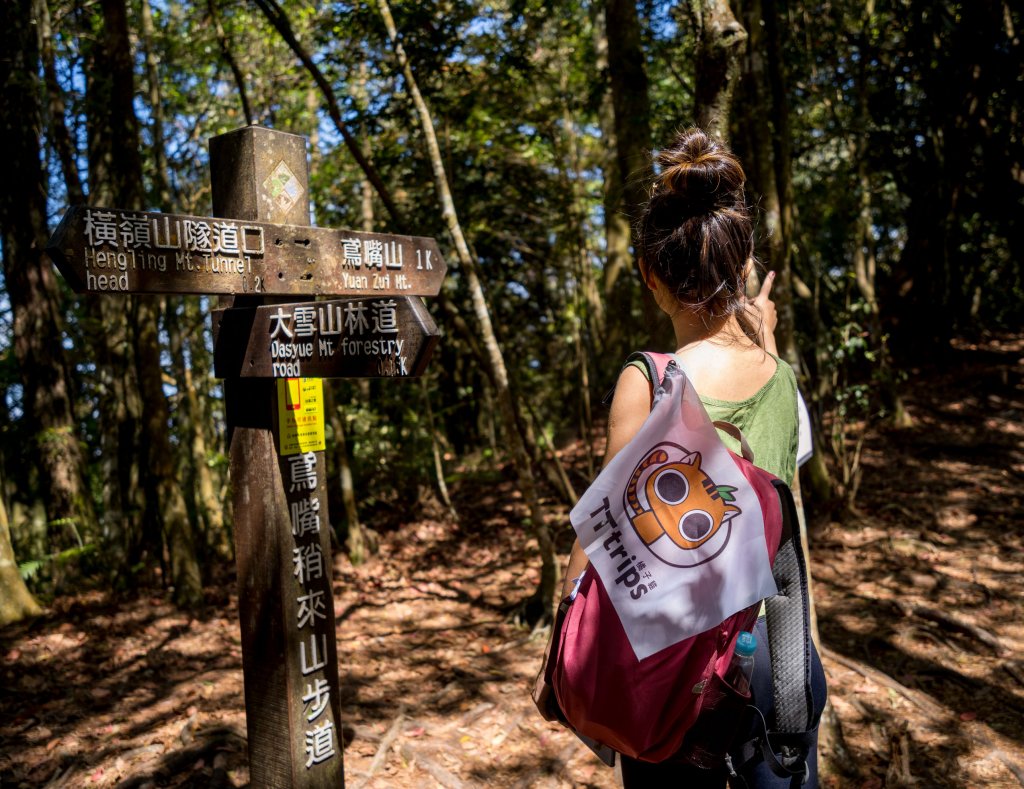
(768, 420)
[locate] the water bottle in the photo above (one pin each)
(713, 731)
(742, 666)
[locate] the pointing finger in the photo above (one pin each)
(766, 286)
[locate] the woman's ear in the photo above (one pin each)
(650, 280)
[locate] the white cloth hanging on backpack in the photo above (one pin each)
(672, 526)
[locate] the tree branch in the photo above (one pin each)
(225, 49)
(277, 17)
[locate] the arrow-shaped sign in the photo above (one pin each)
(109, 250)
(344, 338)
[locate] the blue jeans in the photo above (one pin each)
(677, 775)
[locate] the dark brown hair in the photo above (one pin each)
(696, 232)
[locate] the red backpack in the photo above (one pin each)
(647, 708)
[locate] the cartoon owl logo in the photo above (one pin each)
(677, 509)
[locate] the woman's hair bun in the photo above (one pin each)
(698, 174)
(696, 232)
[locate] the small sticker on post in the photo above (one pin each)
(300, 413)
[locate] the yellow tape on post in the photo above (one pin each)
(300, 411)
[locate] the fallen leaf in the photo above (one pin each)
(968, 716)
(418, 731)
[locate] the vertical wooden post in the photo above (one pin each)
(289, 649)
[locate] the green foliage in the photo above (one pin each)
(61, 561)
(914, 103)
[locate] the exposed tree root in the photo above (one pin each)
(929, 705)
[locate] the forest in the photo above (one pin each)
(883, 146)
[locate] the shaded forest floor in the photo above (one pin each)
(920, 609)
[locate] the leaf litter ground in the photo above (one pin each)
(919, 599)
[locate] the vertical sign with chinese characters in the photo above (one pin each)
(311, 603)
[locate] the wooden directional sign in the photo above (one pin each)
(348, 338)
(109, 250)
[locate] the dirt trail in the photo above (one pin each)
(919, 606)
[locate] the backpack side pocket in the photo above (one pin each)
(718, 724)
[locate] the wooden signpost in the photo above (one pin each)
(261, 250)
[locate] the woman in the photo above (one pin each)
(695, 247)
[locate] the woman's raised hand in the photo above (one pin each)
(762, 314)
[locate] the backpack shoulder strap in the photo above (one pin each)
(789, 625)
(784, 746)
(652, 365)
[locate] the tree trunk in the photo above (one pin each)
(203, 503)
(590, 308)
(165, 510)
(540, 607)
(209, 496)
(358, 540)
(782, 159)
(820, 486)
(720, 40)
(619, 291)
(631, 103)
(588, 324)
(156, 110)
(106, 330)
(59, 135)
(16, 602)
(435, 448)
(165, 504)
(864, 262)
(184, 418)
(631, 111)
(32, 287)
(186, 423)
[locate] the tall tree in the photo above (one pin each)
(165, 516)
(947, 121)
(540, 608)
(16, 602)
(105, 327)
(632, 169)
(720, 39)
(631, 103)
(32, 287)
(765, 124)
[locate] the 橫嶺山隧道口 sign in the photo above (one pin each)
(346, 338)
(109, 250)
